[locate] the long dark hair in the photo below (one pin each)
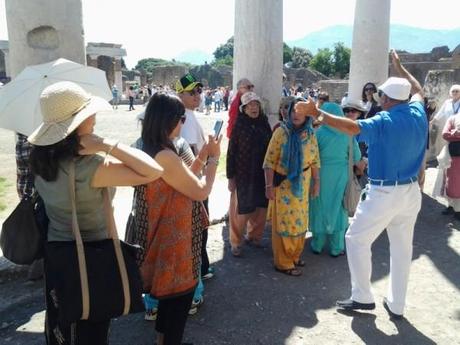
(161, 117)
(363, 93)
(44, 160)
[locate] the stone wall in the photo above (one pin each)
(303, 76)
(420, 69)
(167, 75)
(336, 88)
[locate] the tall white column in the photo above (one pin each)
(370, 47)
(258, 48)
(40, 31)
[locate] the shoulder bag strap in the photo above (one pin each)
(113, 234)
(79, 243)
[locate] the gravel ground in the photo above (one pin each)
(249, 303)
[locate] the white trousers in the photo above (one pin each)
(394, 208)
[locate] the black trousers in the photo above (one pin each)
(172, 317)
(80, 332)
(204, 241)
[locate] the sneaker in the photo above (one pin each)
(208, 275)
(151, 314)
(195, 305)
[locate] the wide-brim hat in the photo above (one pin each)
(64, 106)
(247, 98)
(357, 105)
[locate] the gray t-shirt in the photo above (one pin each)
(89, 201)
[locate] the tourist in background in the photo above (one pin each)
(245, 156)
(131, 96)
(328, 217)
(64, 137)
(171, 267)
(291, 165)
(449, 108)
(367, 96)
(114, 96)
(451, 134)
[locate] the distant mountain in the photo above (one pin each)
(196, 57)
(402, 37)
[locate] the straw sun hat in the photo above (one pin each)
(64, 106)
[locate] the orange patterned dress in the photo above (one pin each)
(171, 264)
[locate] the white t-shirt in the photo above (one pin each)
(192, 130)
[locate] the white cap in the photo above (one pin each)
(396, 88)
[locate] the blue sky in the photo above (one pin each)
(164, 29)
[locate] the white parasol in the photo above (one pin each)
(20, 99)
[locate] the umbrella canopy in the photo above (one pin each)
(20, 99)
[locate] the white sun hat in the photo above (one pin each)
(248, 97)
(64, 106)
(396, 88)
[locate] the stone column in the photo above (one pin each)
(258, 49)
(369, 52)
(118, 75)
(40, 31)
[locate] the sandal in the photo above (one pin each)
(295, 272)
(236, 251)
(299, 263)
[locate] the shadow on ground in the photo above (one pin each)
(249, 303)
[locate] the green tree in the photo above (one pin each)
(287, 53)
(301, 57)
(341, 59)
(323, 61)
(224, 50)
(225, 61)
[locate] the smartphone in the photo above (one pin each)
(217, 128)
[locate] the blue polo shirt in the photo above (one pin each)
(397, 141)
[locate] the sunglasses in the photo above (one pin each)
(322, 99)
(248, 87)
(370, 89)
(195, 91)
(183, 118)
(350, 110)
(455, 91)
(380, 93)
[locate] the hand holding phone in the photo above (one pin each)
(217, 128)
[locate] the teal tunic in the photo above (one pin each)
(327, 215)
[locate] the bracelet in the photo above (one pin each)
(111, 148)
(214, 160)
(200, 160)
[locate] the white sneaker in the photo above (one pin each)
(151, 314)
(195, 305)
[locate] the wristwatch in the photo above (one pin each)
(320, 117)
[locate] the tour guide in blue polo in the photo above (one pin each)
(397, 139)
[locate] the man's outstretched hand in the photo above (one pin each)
(307, 108)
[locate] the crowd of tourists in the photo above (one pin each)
(296, 176)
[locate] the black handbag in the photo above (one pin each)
(96, 280)
(24, 231)
(454, 148)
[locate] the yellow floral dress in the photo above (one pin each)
(288, 214)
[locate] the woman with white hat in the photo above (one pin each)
(66, 136)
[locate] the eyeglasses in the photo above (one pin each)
(195, 91)
(183, 118)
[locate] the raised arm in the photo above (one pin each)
(133, 167)
(416, 90)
